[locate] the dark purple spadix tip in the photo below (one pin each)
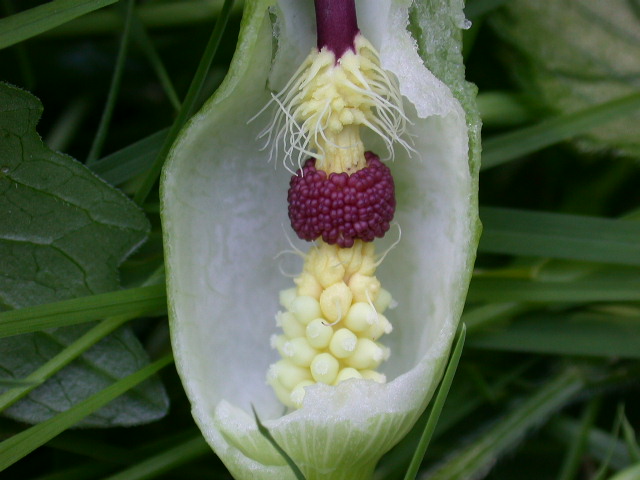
(341, 208)
(337, 25)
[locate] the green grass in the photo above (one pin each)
(547, 383)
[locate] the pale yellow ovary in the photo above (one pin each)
(331, 335)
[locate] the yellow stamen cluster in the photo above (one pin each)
(332, 322)
(326, 101)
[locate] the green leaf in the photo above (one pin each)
(477, 8)
(34, 21)
(512, 145)
(631, 473)
(137, 301)
(63, 235)
(577, 445)
(436, 408)
(165, 460)
(574, 334)
(183, 13)
(25, 442)
(59, 361)
(189, 104)
(601, 445)
(132, 160)
(574, 54)
(114, 357)
(473, 460)
(519, 290)
(264, 431)
(629, 436)
(554, 235)
(114, 87)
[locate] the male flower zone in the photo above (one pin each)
(341, 110)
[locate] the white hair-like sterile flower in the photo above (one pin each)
(224, 211)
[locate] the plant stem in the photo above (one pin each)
(336, 25)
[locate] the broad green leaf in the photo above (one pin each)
(114, 357)
(34, 21)
(573, 54)
(61, 360)
(64, 233)
(23, 443)
(588, 334)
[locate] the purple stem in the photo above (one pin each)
(337, 25)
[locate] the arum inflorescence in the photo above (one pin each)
(343, 198)
(224, 207)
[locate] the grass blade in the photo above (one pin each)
(483, 452)
(631, 473)
(189, 103)
(518, 290)
(588, 334)
(554, 235)
(484, 315)
(32, 22)
(509, 146)
(59, 361)
(131, 161)
(67, 124)
(501, 109)
(165, 461)
(629, 435)
(23, 443)
(142, 38)
(573, 458)
(264, 431)
(136, 301)
(436, 409)
(603, 446)
(114, 87)
(154, 15)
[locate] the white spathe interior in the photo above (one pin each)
(225, 213)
